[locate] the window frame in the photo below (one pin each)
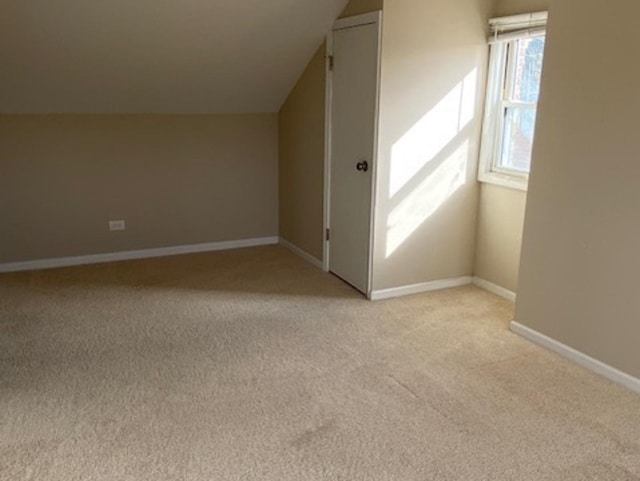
(502, 66)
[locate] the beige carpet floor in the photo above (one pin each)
(253, 365)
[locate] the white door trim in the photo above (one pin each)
(328, 101)
(350, 22)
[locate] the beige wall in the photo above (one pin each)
(301, 127)
(174, 179)
(357, 7)
(301, 166)
(580, 262)
(434, 58)
(499, 236)
(501, 210)
(145, 56)
(514, 7)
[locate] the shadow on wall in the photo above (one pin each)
(423, 191)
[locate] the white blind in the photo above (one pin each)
(504, 29)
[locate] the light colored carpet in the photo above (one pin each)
(253, 365)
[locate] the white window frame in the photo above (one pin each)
(506, 31)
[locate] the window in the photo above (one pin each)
(513, 89)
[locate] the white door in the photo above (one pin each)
(353, 137)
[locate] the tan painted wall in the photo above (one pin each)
(499, 237)
(357, 7)
(148, 56)
(301, 126)
(501, 210)
(434, 58)
(514, 7)
(301, 166)
(580, 262)
(174, 179)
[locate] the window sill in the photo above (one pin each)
(503, 180)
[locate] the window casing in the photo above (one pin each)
(513, 89)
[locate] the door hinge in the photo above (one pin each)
(328, 234)
(331, 62)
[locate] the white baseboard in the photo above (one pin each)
(578, 357)
(137, 254)
(494, 289)
(301, 253)
(420, 288)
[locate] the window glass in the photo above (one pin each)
(526, 71)
(517, 139)
(513, 92)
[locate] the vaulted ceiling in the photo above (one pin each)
(156, 55)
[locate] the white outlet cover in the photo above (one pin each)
(117, 225)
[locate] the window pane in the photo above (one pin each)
(517, 139)
(527, 71)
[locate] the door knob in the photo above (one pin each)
(362, 166)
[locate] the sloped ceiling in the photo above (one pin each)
(156, 55)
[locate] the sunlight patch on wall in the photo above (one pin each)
(431, 134)
(427, 198)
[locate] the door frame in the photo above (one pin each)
(372, 18)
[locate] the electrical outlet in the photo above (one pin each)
(117, 225)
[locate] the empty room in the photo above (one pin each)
(337, 240)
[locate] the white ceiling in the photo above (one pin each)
(156, 55)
